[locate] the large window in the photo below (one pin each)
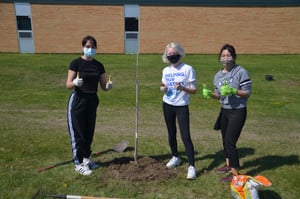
(131, 24)
(23, 23)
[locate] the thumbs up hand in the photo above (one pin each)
(163, 87)
(206, 92)
(109, 83)
(78, 81)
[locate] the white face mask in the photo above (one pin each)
(89, 52)
(226, 61)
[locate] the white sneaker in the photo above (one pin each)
(191, 173)
(83, 169)
(174, 162)
(91, 164)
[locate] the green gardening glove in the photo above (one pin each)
(227, 90)
(206, 92)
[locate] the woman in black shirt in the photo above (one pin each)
(84, 74)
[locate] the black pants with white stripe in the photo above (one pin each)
(82, 109)
(183, 117)
(232, 122)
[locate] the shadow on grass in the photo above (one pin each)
(258, 165)
(270, 162)
(218, 158)
(267, 194)
(168, 156)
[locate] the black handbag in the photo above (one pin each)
(217, 125)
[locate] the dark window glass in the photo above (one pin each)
(23, 23)
(131, 24)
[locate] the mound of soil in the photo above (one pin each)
(144, 169)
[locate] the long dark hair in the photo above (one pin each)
(230, 48)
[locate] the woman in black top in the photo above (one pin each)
(84, 74)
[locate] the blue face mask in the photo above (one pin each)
(89, 52)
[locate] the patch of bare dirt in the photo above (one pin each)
(144, 169)
(291, 83)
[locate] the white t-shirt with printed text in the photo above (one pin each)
(183, 74)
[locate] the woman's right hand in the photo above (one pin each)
(163, 87)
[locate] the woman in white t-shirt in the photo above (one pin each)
(178, 82)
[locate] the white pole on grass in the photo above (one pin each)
(137, 96)
(136, 106)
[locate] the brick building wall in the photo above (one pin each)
(206, 29)
(254, 30)
(8, 28)
(60, 28)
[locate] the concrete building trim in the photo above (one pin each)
(218, 3)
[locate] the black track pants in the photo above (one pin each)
(82, 110)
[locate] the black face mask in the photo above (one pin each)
(173, 58)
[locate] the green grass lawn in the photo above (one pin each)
(33, 130)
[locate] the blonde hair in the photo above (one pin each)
(177, 47)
